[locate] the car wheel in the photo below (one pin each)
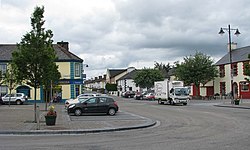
(111, 112)
(171, 102)
(184, 103)
(18, 102)
(78, 112)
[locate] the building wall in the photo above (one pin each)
(237, 80)
(64, 69)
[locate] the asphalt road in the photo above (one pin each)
(199, 125)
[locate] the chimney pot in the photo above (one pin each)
(64, 45)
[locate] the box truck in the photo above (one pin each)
(171, 92)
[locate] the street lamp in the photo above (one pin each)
(237, 33)
(84, 75)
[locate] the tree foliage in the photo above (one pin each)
(164, 68)
(35, 55)
(146, 77)
(247, 68)
(35, 52)
(111, 87)
(197, 69)
(10, 78)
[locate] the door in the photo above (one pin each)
(9, 97)
(102, 105)
(235, 90)
(90, 106)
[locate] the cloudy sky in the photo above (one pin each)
(124, 33)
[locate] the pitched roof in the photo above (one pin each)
(115, 72)
(62, 54)
(129, 75)
(238, 55)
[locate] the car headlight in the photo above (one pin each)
(71, 106)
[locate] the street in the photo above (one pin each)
(199, 125)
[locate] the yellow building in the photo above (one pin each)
(69, 65)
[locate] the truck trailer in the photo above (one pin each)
(171, 92)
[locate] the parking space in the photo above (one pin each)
(103, 117)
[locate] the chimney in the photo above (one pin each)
(233, 46)
(100, 77)
(64, 45)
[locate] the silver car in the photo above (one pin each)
(17, 98)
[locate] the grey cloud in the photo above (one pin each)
(142, 31)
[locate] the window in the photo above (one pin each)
(3, 90)
(77, 89)
(223, 88)
(222, 71)
(244, 86)
(102, 100)
(92, 101)
(3, 68)
(246, 68)
(234, 69)
(77, 69)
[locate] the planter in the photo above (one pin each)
(50, 120)
(236, 102)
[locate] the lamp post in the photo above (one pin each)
(84, 76)
(237, 33)
(86, 66)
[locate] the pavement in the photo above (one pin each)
(243, 104)
(19, 120)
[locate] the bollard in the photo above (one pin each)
(38, 118)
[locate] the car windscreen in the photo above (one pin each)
(181, 91)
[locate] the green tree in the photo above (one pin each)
(10, 78)
(247, 68)
(164, 68)
(52, 76)
(146, 77)
(197, 69)
(35, 53)
(111, 87)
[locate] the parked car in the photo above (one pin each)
(89, 95)
(139, 95)
(80, 97)
(149, 96)
(17, 98)
(74, 101)
(99, 104)
(129, 94)
(1, 101)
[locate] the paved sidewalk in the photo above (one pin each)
(19, 119)
(244, 104)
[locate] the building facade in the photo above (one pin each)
(69, 65)
(221, 85)
(240, 86)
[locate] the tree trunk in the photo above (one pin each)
(9, 97)
(46, 98)
(35, 105)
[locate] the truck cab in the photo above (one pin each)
(171, 92)
(179, 95)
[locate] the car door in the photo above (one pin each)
(102, 105)
(9, 97)
(90, 106)
(13, 97)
